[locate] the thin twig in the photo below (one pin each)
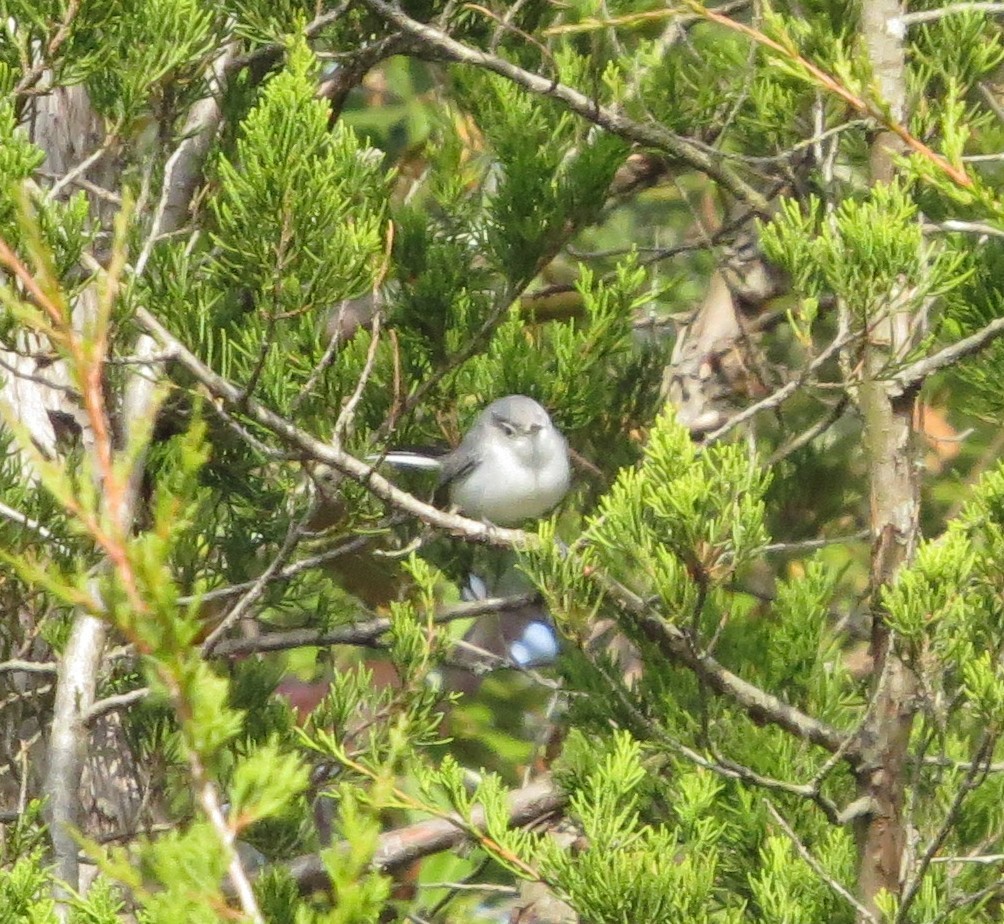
(260, 584)
(807, 436)
(276, 48)
(732, 770)
(967, 227)
(348, 411)
(816, 866)
(986, 859)
(898, 25)
(284, 574)
(975, 774)
(782, 394)
(24, 520)
(83, 166)
(866, 107)
(62, 33)
(808, 545)
(360, 633)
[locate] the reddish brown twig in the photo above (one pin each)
(86, 359)
(866, 107)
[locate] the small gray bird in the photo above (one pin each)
(512, 465)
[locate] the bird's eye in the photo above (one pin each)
(507, 428)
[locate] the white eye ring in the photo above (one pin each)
(507, 428)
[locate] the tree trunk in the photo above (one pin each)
(893, 464)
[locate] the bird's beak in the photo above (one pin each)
(535, 447)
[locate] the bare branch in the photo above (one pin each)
(119, 701)
(210, 801)
(405, 845)
(24, 520)
(758, 704)
(807, 436)
(184, 167)
(914, 375)
(67, 747)
(15, 665)
(970, 227)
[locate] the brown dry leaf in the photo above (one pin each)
(942, 439)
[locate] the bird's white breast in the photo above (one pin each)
(515, 480)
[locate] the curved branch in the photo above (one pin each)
(183, 169)
(759, 705)
(311, 446)
(606, 117)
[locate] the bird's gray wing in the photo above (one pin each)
(456, 466)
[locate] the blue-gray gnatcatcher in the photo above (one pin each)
(512, 465)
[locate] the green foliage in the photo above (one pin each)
(360, 893)
(688, 805)
(299, 228)
(946, 604)
(18, 159)
(960, 48)
(798, 634)
(157, 44)
(25, 882)
(266, 23)
(973, 305)
(786, 888)
(311, 197)
(862, 252)
(680, 519)
(932, 597)
(548, 172)
(23, 890)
